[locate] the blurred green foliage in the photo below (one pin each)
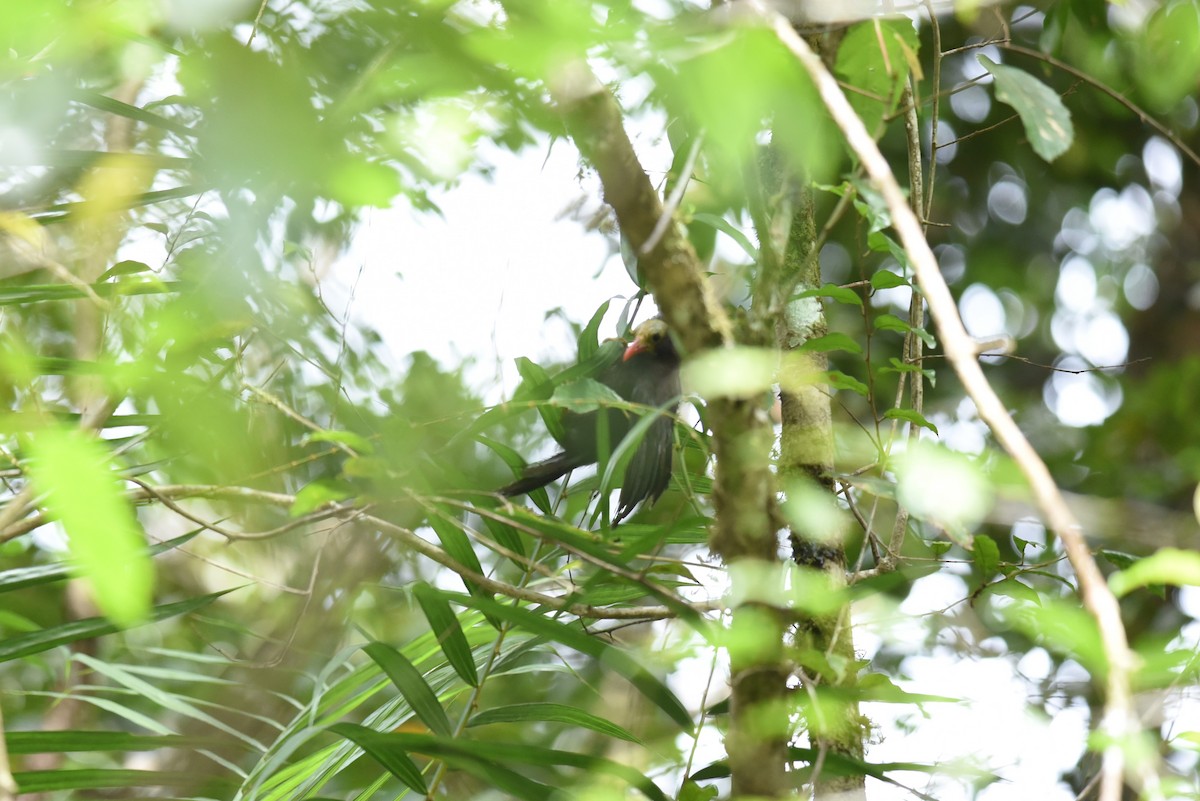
(176, 183)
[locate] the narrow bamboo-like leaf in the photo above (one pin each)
(412, 686)
(382, 750)
(584, 395)
(25, 645)
(43, 293)
(161, 697)
(579, 541)
(61, 212)
(523, 753)
(1168, 566)
(568, 635)
(725, 227)
(59, 742)
(589, 338)
(559, 713)
(21, 577)
(445, 626)
(107, 545)
(106, 103)
(45, 781)
(458, 545)
(1047, 121)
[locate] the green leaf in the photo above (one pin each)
(350, 439)
(841, 294)
(727, 228)
(585, 395)
(445, 626)
(691, 791)
(126, 267)
(83, 492)
(874, 57)
(49, 293)
(380, 748)
(986, 557)
(108, 104)
(911, 416)
(456, 543)
(886, 279)
(44, 781)
(570, 636)
(589, 338)
(497, 753)
(535, 380)
(74, 741)
(359, 182)
(1012, 588)
(839, 380)
(833, 341)
(559, 713)
(878, 687)
(21, 577)
(36, 642)
(1168, 566)
(412, 686)
(1047, 121)
(314, 495)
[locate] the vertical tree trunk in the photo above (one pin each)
(806, 455)
(745, 537)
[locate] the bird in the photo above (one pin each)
(644, 373)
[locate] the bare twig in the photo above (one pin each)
(959, 348)
(672, 204)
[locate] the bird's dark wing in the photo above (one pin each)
(649, 470)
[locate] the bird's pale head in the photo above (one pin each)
(651, 337)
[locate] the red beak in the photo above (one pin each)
(637, 347)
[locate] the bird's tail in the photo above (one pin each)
(539, 474)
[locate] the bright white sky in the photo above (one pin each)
(478, 281)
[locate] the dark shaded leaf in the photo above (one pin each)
(385, 752)
(412, 686)
(445, 626)
(560, 713)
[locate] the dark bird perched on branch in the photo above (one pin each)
(645, 373)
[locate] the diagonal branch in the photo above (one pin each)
(960, 351)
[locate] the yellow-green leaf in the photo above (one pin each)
(75, 474)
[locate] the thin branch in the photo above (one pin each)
(959, 348)
(672, 204)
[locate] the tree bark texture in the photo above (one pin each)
(744, 495)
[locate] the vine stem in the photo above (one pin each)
(1118, 721)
